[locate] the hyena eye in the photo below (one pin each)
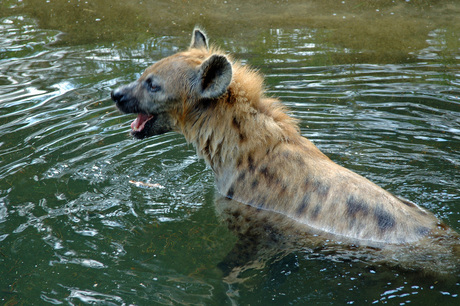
(152, 86)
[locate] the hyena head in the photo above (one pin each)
(161, 95)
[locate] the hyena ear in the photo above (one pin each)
(199, 39)
(214, 77)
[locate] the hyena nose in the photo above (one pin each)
(116, 95)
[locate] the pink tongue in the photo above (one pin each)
(139, 124)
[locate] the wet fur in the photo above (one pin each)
(259, 157)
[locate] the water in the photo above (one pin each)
(74, 230)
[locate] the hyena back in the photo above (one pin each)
(257, 153)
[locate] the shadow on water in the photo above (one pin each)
(374, 84)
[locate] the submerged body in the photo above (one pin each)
(257, 153)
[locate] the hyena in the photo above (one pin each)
(258, 155)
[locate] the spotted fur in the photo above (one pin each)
(257, 153)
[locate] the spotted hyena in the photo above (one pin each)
(257, 153)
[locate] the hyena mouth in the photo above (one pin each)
(139, 123)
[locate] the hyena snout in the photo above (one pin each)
(117, 95)
(124, 99)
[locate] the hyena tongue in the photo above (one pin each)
(139, 124)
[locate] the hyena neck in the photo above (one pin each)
(241, 122)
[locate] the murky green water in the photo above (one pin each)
(375, 85)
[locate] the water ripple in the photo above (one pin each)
(66, 161)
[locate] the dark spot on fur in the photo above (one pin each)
(264, 170)
(251, 165)
(318, 188)
(286, 155)
(294, 157)
(422, 231)
(321, 190)
(241, 176)
(230, 192)
(355, 207)
(267, 174)
(236, 124)
(228, 97)
(255, 183)
(303, 205)
(239, 162)
(385, 221)
(316, 211)
(299, 160)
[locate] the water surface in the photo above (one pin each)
(375, 86)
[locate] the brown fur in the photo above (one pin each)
(258, 155)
